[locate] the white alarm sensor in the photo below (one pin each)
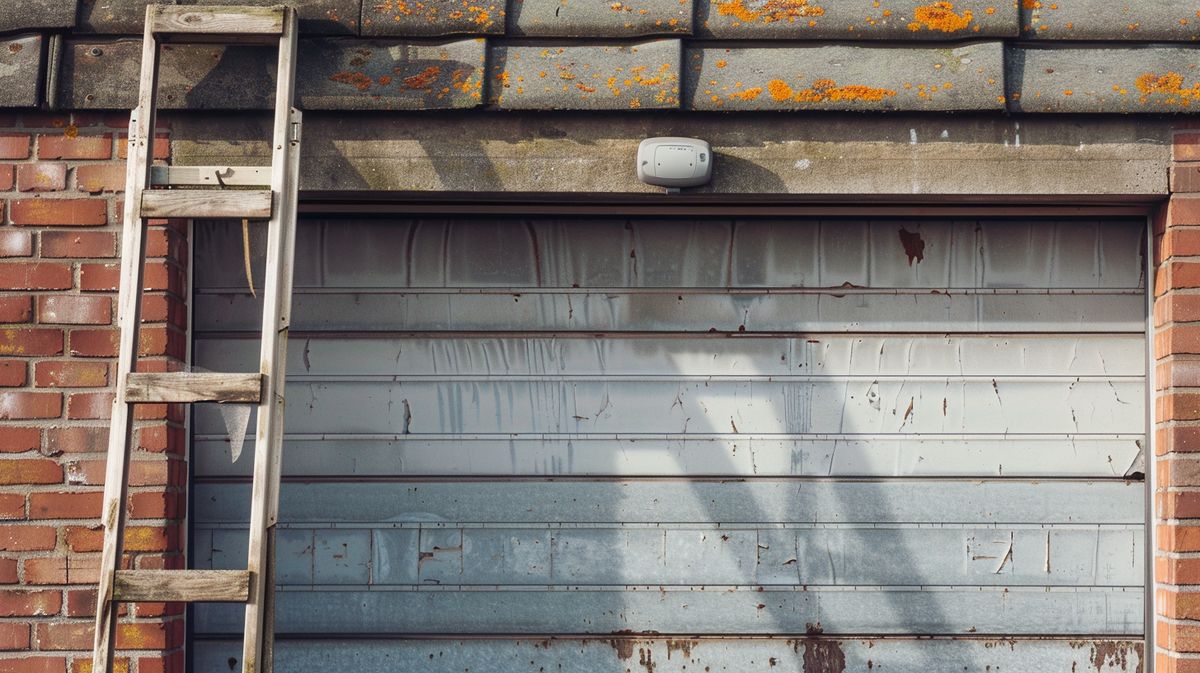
(674, 162)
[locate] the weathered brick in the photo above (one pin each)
(99, 277)
(95, 342)
(1176, 339)
(12, 506)
(14, 145)
(14, 636)
(8, 571)
(23, 537)
(80, 602)
(16, 309)
(79, 439)
(12, 373)
(1174, 538)
(1179, 505)
(63, 146)
(70, 374)
(34, 663)
(1186, 146)
(162, 143)
(30, 341)
(7, 171)
(14, 439)
(45, 176)
(66, 309)
(137, 538)
(63, 636)
(78, 244)
(24, 471)
(16, 243)
(59, 212)
(1184, 178)
(1177, 307)
(153, 505)
(35, 276)
(1178, 407)
(120, 664)
(98, 178)
(89, 406)
(65, 505)
(76, 569)
(20, 405)
(37, 603)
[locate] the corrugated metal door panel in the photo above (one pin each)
(701, 428)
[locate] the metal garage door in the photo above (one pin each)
(600, 446)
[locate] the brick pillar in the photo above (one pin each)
(61, 179)
(1177, 413)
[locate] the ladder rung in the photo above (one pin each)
(211, 176)
(253, 204)
(217, 20)
(187, 586)
(146, 388)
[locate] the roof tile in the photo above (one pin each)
(28, 14)
(586, 77)
(970, 77)
(1145, 20)
(1144, 79)
(20, 70)
(432, 17)
(332, 73)
(856, 19)
(597, 18)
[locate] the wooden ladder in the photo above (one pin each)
(258, 193)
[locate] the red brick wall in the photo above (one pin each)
(1177, 413)
(60, 188)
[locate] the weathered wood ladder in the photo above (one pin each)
(258, 193)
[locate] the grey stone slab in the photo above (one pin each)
(20, 71)
(591, 18)
(585, 77)
(433, 17)
(1090, 80)
(969, 77)
(125, 17)
(333, 73)
(1140, 20)
(755, 153)
(856, 19)
(36, 14)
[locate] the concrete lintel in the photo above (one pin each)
(758, 153)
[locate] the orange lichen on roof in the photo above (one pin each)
(825, 90)
(748, 94)
(1170, 85)
(471, 11)
(940, 16)
(358, 80)
(423, 79)
(768, 11)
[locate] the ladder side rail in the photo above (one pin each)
(277, 292)
(133, 250)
